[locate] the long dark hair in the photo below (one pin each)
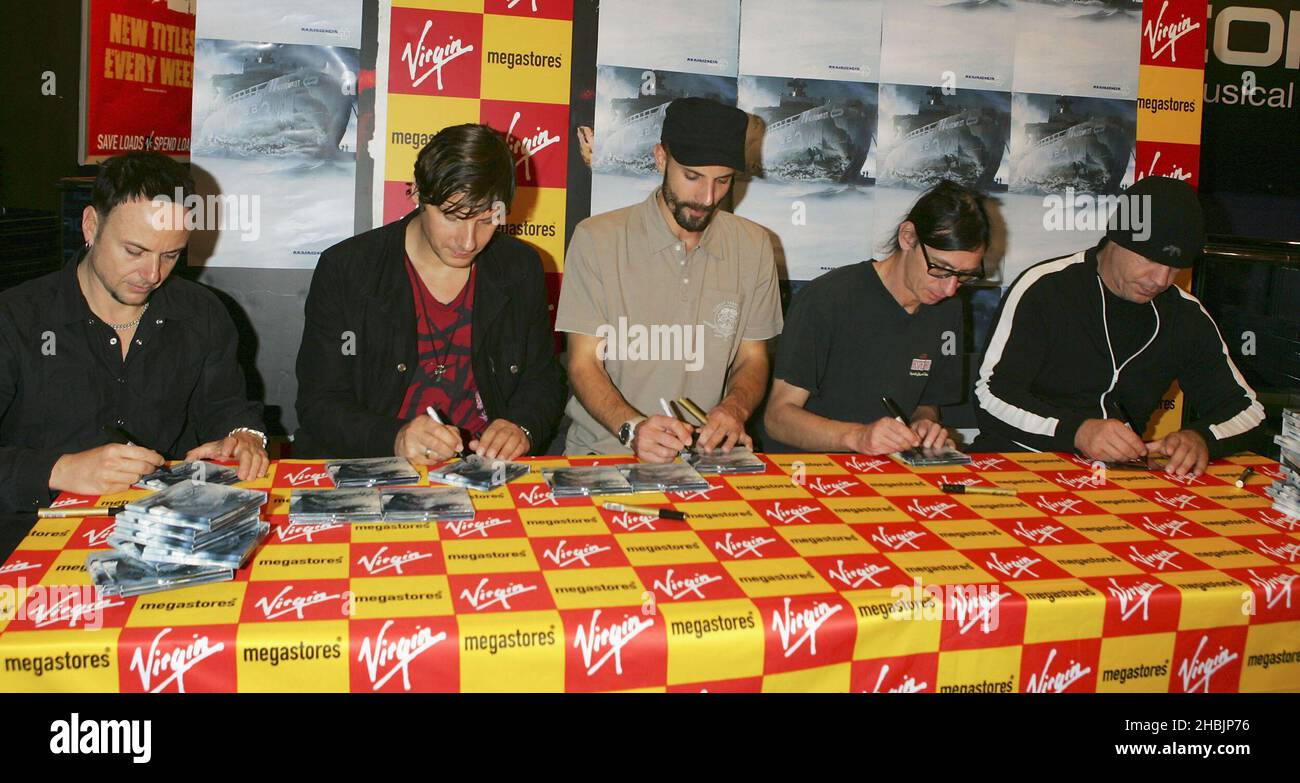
(948, 216)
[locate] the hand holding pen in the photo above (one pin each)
(425, 440)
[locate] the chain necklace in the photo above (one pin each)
(129, 324)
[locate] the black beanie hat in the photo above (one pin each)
(1171, 230)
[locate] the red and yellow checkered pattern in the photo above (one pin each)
(504, 63)
(826, 573)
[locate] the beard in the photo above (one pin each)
(679, 207)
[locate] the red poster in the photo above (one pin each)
(138, 57)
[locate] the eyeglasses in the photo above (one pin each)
(945, 272)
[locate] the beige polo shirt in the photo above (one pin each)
(672, 320)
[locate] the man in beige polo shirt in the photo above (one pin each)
(671, 298)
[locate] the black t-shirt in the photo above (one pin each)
(849, 343)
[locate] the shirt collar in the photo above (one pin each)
(70, 304)
(659, 237)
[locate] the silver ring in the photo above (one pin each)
(427, 452)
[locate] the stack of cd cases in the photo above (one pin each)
(739, 460)
(374, 472)
(1286, 490)
(477, 473)
(671, 477)
(189, 533)
(587, 481)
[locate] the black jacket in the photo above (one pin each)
(62, 378)
(361, 299)
(1048, 366)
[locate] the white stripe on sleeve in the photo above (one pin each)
(1021, 419)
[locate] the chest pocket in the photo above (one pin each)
(720, 315)
(74, 396)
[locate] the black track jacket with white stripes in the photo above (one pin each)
(1054, 360)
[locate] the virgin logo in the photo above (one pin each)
(861, 465)
(1280, 583)
(931, 510)
(1060, 507)
(17, 565)
(630, 522)
(464, 528)
(380, 562)
(788, 515)
(1157, 559)
(1280, 521)
(853, 577)
(536, 495)
(307, 476)
(514, 3)
(804, 622)
(897, 541)
(305, 532)
(987, 463)
(739, 548)
(66, 502)
(1079, 482)
(1014, 569)
(69, 609)
(395, 654)
(680, 587)
(1287, 552)
(1045, 682)
(1133, 598)
(562, 556)
(173, 665)
(481, 597)
(697, 494)
(908, 685)
(282, 603)
(525, 148)
(1196, 673)
(96, 537)
(832, 487)
(1176, 501)
(1171, 529)
(977, 608)
(965, 482)
(435, 58)
(598, 644)
(1166, 35)
(1038, 535)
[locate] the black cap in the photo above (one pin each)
(701, 132)
(1172, 228)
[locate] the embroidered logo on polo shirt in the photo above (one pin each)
(921, 366)
(726, 317)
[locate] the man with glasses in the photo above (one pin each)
(880, 329)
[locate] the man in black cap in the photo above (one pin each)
(1085, 347)
(671, 298)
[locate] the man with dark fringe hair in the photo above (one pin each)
(439, 311)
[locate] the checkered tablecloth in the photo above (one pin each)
(826, 573)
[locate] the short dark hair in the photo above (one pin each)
(138, 175)
(471, 164)
(949, 216)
